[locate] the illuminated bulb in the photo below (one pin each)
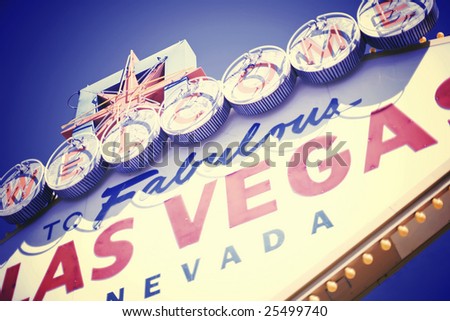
(332, 286)
(420, 217)
(423, 40)
(437, 203)
(314, 298)
(402, 230)
(385, 244)
(440, 35)
(350, 273)
(367, 258)
(372, 50)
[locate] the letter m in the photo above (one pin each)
(314, 53)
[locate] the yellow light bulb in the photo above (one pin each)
(437, 203)
(367, 258)
(385, 244)
(350, 273)
(372, 50)
(332, 286)
(420, 217)
(403, 231)
(423, 40)
(313, 297)
(440, 35)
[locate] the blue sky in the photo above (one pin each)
(51, 49)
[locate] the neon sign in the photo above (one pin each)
(192, 215)
(325, 49)
(75, 166)
(24, 192)
(133, 123)
(259, 80)
(194, 111)
(135, 141)
(388, 24)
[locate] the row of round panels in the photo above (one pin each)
(319, 52)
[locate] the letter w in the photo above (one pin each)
(188, 231)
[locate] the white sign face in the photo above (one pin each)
(130, 142)
(269, 216)
(327, 48)
(195, 110)
(395, 24)
(23, 192)
(258, 80)
(324, 42)
(388, 18)
(74, 160)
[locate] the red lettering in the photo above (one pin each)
(9, 283)
(256, 83)
(23, 185)
(121, 250)
(391, 16)
(298, 175)
(66, 256)
(184, 111)
(310, 46)
(188, 231)
(406, 131)
(69, 165)
(238, 194)
(442, 95)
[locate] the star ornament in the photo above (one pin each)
(144, 90)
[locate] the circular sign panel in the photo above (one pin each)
(75, 166)
(194, 111)
(259, 80)
(327, 48)
(23, 192)
(389, 24)
(135, 141)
